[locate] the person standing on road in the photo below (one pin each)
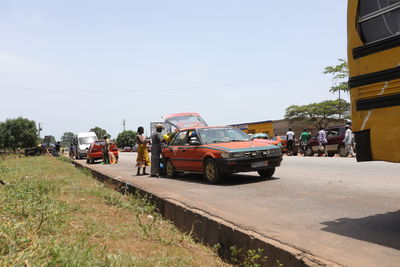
(304, 138)
(106, 149)
(322, 141)
(349, 141)
(142, 160)
(290, 141)
(156, 141)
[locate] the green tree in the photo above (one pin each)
(2, 135)
(340, 77)
(126, 138)
(67, 138)
(18, 133)
(49, 139)
(99, 132)
(318, 113)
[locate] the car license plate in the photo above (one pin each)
(259, 164)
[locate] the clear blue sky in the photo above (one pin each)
(73, 65)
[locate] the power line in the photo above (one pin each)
(191, 88)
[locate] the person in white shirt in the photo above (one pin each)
(349, 141)
(322, 141)
(290, 141)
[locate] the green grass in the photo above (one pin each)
(52, 214)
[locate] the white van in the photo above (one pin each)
(83, 142)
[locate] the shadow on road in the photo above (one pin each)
(228, 180)
(381, 229)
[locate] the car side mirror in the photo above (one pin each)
(194, 141)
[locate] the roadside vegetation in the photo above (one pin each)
(54, 214)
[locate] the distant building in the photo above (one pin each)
(256, 127)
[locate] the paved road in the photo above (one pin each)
(335, 208)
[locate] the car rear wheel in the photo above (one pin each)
(88, 160)
(331, 154)
(170, 169)
(342, 151)
(267, 173)
(211, 173)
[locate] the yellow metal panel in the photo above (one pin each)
(266, 127)
(383, 123)
(378, 89)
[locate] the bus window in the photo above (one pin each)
(378, 19)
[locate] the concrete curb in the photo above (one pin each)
(211, 230)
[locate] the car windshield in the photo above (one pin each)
(186, 121)
(100, 143)
(87, 140)
(222, 134)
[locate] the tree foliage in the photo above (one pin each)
(126, 138)
(99, 132)
(340, 77)
(18, 133)
(67, 139)
(319, 113)
(50, 139)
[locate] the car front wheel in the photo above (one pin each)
(211, 173)
(267, 173)
(170, 169)
(342, 151)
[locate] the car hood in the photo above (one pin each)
(272, 142)
(243, 146)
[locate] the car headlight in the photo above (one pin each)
(237, 155)
(227, 155)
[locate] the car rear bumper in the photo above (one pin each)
(247, 164)
(99, 155)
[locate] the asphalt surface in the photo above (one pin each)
(335, 208)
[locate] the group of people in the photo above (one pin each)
(143, 159)
(51, 149)
(305, 137)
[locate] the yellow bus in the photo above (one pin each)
(374, 68)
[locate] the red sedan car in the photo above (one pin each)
(95, 151)
(127, 149)
(215, 151)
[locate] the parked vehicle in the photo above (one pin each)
(83, 141)
(283, 141)
(95, 151)
(215, 151)
(334, 136)
(127, 149)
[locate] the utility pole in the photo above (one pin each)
(123, 123)
(39, 129)
(340, 109)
